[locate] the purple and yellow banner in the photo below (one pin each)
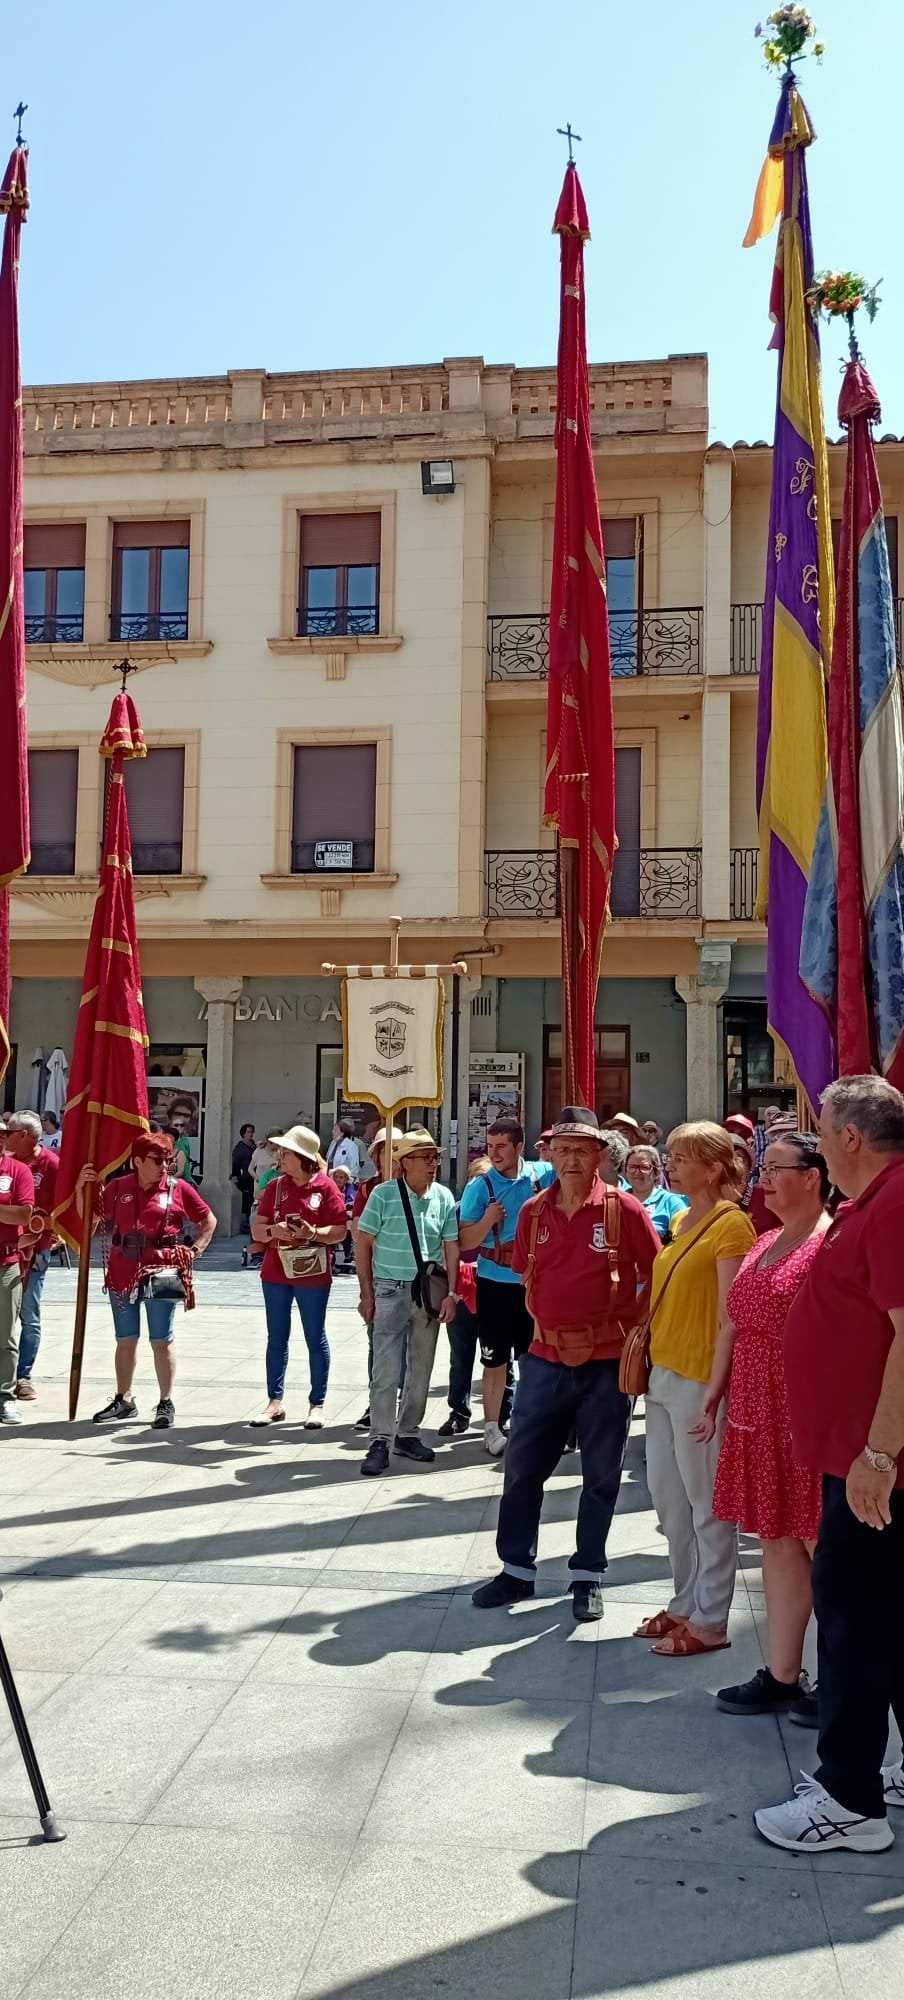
(798, 616)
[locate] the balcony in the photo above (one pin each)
(645, 642)
(57, 630)
(341, 621)
(745, 868)
(747, 636)
(650, 882)
(134, 626)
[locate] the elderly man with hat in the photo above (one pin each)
(586, 1251)
(300, 1215)
(399, 1293)
(363, 1192)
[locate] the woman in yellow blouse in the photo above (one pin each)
(691, 1280)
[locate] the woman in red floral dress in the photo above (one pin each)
(758, 1483)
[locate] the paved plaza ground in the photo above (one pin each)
(292, 1760)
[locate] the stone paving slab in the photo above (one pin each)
(285, 1743)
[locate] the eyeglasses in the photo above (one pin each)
(766, 1173)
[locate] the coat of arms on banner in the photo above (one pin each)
(390, 1036)
(393, 1040)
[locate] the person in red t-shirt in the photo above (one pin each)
(844, 1370)
(17, 1195)
(299, 1217)
(144, 1213)
(25, 1134)
(583, 1291)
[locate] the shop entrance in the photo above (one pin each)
(749, 1071)
(613, 1073)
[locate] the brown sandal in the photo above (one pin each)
(656, 1628)
(682, 1644)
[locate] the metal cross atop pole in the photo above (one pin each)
(565, 132)
(19, 114)
(393, 970)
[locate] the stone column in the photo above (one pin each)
(221, 996)
(701, 992)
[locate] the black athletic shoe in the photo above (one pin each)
(805, 1710)
(363, 1423)
(164, 1415)
(764, 1695)
(455, 1425)
(376, 1461)
(413, 1448)
(116, 1411)
(586, 1602)
(501, 1589)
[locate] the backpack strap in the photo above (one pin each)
(539, 1204)
(612, 1224)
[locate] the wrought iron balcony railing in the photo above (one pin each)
(643, 642)
(747, 636)
(56, 631)
(745, 867)
(343, 621)
(135, 625)
(646, 882)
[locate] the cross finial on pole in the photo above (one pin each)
(19, 114)
(125, 668)
(565, 132)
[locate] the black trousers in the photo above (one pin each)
(858, 1598)
(552, 1400)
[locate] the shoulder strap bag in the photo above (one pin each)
(306, 1260)
(431, 1286)
(635, 1364)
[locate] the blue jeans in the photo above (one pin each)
(30, 1316)
(551, 1400)
(312, 1302)
(159, 1313)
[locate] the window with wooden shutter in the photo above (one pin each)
(54, 563)
(150, 580)
(53, 807)
(155, 795)
(623, 546)
(334, 807)
(339, 578)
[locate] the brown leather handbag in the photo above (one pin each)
(635, 1363)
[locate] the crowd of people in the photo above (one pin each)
(750, 1273)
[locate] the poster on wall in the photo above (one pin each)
(495, 1090)
(178, 1102)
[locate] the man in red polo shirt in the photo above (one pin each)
(844, 1366)
(586, 1253)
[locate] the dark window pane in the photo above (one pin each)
(626, 866)
(70, 599)
(620, 583)
(134, 575)
(334, 800)
(362, 584)
(174, 580)
(321, 589)
(53, 801)
(35, 592)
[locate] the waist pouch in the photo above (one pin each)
(575, 1344)
(502, 1253)
(308, 1261)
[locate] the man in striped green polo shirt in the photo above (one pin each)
(386, 1269)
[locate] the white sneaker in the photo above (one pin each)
(10, 1412)
(893, 1784)
(813, 1821)
(494, 1440)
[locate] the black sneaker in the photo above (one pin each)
(413, 1448)
(363, 1423)
(164, 1415)
(805, 1709)
(501, 1589)
(586, 1602)
(377, 1460)
(764, 1695)
(455, 1425)
(116, 1411)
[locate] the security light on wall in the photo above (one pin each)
(437, 475)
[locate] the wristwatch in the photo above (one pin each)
(879, 1460)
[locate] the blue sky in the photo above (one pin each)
(300, 186)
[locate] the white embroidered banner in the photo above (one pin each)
(393, 1029)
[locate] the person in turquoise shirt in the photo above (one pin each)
(489, 1211)
(644, 1170)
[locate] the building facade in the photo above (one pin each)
(332, 591)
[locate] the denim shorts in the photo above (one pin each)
(160, 1314)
